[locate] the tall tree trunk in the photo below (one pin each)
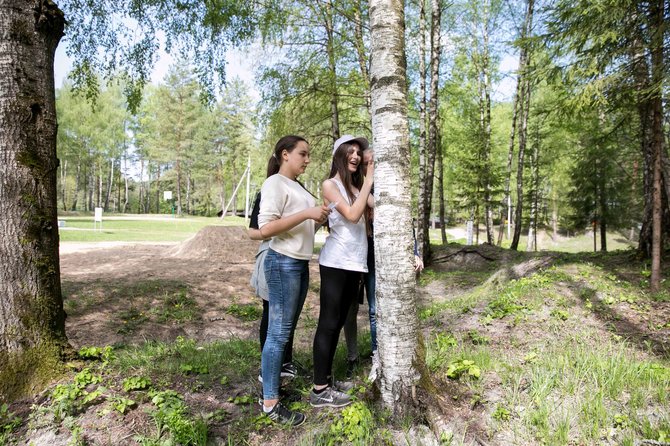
(362, 52)
(32, 320)
(63, 183)
(179, 174)
(110, 185)
(518, 214)
(531, 244)
(422, 225)
(433, 110)
(330, 50)
(440, 190)
(517, 103)
(657, 71)
(76, 185)
(397, 321)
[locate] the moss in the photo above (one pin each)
(27, 372)
(19, 32)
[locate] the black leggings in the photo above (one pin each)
(263, 332)
(339, 288)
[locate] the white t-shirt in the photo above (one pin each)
(346, 246)
(282, 197)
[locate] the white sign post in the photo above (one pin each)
(97, 218)
(167, 196)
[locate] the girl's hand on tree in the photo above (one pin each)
(370, 171)
(418, 264)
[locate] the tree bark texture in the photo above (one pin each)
(397, 321)
(31, 307)
(422, 229)
(433, 118)
(518, 213)
(657, 132)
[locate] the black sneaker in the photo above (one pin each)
(329, 398)
(280, 414)
(289, 370)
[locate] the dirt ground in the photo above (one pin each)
(215, 265)
(108, 280)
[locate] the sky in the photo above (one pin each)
(240, 65)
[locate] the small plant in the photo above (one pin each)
(136, 383)
(621, 420)
(561, 315)
(96, 353)
(501, 413)
(8, 422)
(121, 404)
(458, 368)
(189, 369)
(477, 338)
(355, 423)
(86, 377)
(172, 415)
(244, 399)
(246, 313)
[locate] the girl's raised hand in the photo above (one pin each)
(370, 171)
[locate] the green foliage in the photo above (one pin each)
(100, 353)
(439, 350)
(136, 383)
(462, 367)
(355, 423)
(121, 404)
(477, 338)
(188, 369)
(247, 312)
(8, 423)
(71, 398)
(172, 416)
(501, 413)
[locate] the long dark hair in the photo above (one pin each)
(340, 165)
(288, 143)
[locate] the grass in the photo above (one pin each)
(131, 228)
(562, 380)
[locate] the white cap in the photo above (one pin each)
(361, 141)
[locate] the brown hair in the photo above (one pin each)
(339, 165)
(288, 143)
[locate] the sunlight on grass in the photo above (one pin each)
(132, 228)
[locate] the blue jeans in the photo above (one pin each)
(287, 280)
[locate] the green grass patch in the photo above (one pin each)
(139, 228)
(247, 312)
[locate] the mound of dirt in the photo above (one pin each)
(228, 243)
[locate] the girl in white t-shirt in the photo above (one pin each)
(287, 216)
(342, 261)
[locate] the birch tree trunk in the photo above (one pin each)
(32, 320)
(397, 321)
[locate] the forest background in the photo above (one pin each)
(567, 142)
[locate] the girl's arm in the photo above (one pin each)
(284, 224)
(255, 234)
(354, 212)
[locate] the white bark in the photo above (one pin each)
(398, 326)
